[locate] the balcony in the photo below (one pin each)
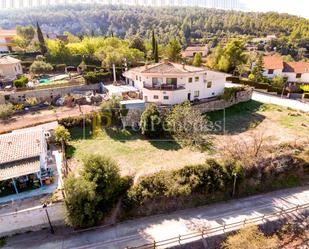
(165, 87)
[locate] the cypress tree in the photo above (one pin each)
(153, 43)
(43, 47)
(156, 54)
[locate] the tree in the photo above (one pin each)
(81, 202)
(40, 67)
(250, 237)
(173, 51)
(258, 69)
(62, 134)
(187, 125)
(41, 40)
(156, 54)
(138, 43)
(21, 82)
(112, 111)
(6, 110)
(278, 81)
(151, 123)
(197, 61)
(153, 43)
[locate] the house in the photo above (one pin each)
(6, 37)
(167, 83)
(23, 158)
(190, 52)
(10, 68)
(294, 71)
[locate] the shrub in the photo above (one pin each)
(32, 101)
(306, 95)
(96, 77)
(151, 123)
(21, 82)
(233, 79)
(76, 121)
(59, 67)
(230, 92)
(6, 110)
(112, 111)
(40, 67)
(62, 135)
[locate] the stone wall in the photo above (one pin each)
(43, 95)
(215, 105)
(31, 219)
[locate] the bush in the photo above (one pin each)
(96, 77)
(59, 67)
(21, 82)
(76, 121)
(233, 79)
(151, 123)
(6, 110)
(40, 67)
(230, 92)
(306, 95)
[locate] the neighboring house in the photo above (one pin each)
(6, 37)
(53, 36)
(294, 71)
(23, 157)
(10, 68)
(169, 83)
(190, 52)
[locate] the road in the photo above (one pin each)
(160, 227)
(271, 99)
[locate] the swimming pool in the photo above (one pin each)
(42, 81)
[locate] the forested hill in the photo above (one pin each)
(185, 23)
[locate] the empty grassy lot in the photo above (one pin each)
(137, 155)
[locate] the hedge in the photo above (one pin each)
(96, 77)
(59, 67)
(306, 95)
(21, 82)
(76, 121)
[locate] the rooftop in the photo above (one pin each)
(167, 68)
(296, 67)
(273, 62)
(4, 60)
(20, 145)
(276, 62)
(7, 32)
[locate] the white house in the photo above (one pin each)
(6, 37)
(10, 68)
(295, 71)
(167, 83)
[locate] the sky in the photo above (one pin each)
(295, 7)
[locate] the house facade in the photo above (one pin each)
(191, 51)
(23, 157)
(294, 71)
(169, 83)
(10, 68)
(6, 37)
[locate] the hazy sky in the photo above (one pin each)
(295, 7)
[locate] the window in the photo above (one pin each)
(209, 83)
(165, 97)
(190, 80)
(197, 79)
(171, 81)
(270, 71)
(157, 81)
(196, 94)
(136, 77)
(155, 97)
(140, 78)
(298, 75)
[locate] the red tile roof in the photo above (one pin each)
(7, 32)
(273, 62)
(296, 67)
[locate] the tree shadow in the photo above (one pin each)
(236, 119)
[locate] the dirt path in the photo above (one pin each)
(37, 118)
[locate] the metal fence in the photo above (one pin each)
(204, 233)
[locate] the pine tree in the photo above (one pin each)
(156, 54)
(43, 47)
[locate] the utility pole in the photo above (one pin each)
(234, 185)
(47, 215)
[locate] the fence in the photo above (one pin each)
(202, 234)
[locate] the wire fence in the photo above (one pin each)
(222, 229)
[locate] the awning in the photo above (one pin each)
(116, 90)
(19, 168)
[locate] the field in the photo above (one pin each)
(137, 155)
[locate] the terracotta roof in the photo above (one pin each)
(4, 60)
(296, 67)
(167, 68)
(19, 168)
(21, 145)
(273, 62)
(7, 32)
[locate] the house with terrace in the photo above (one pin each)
(168, 83)
(23, 160)
(296, 72)
(10, 68)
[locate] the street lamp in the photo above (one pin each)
(47, 215)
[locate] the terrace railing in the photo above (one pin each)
(166, 87)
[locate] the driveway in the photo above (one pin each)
(271, 99)
(160, 227)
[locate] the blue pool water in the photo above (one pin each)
(42, 81)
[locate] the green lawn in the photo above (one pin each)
(134, 154)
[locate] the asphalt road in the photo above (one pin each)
(160, 227)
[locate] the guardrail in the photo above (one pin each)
(204, 233)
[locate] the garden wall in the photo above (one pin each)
(32, 219)
(43, 95)
(220, 104)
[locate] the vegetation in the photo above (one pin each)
(113, 112)
(173, 51)
(251, 237)
(6, 110)
(21, 82)
(40, 67)
(230, 92)
(197, 61)
(42, 45)
(92, 195)
(96, 77)
(151, 122)
(62, 135)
